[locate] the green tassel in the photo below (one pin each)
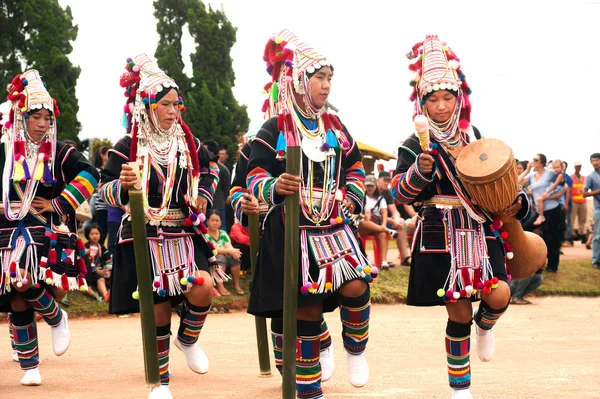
(275, 92)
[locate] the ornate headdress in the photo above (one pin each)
(438, 68)
(291, 63)
(144, 81)
(27, 94)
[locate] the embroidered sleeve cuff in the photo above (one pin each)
(113, 195)
(271, 187)
(407, 186)
(203, 192)
(358, 201)
(57, 207)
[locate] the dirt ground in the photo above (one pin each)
(546, 350)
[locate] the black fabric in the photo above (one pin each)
(552, 236)
(266, 294)
(306, 328)
(161, 331)
(389, 198)
(223, 186)
(23, 318)
(32, 293)
(356, 302)
(277, 325)
(455, 329)
(483, 306)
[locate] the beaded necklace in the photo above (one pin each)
(317, 213)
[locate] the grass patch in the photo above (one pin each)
(575, 277)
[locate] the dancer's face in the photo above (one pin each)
(320, 86)
(38, 124)
(440, 106)
(168, 109)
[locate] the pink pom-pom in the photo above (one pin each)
(346, 145)
(332, 221)
(7, 125)
(126, 108)
(450, 294)
(510, 255)
(288, 79)
(156, 284)
(136, 68)
(480, 286)
(463, 124)
(509, 277)
(201, 217)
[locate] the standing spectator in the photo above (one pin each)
(224, 158)
(395, 220)
(539, 180)
(100, 210)
(592, 189)
(579, 211)
(221, 195)
(568, 206)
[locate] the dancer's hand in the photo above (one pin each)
(350, 205)
(202, 203)
(287, 184)
(42, 205)
(514, 208)
(249, 204)
(425, 163)
(127, 177)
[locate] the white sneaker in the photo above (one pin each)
(161, 392)
(32, 378)
(327, 364)
(15, 356)
(61, 337)
(358, 369)
(195, 356)
(462, 394)
(484, 342)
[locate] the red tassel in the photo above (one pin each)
(265, 105)
(336, 122)
(328, 274)
(56, 110)
(210, 245)
(49, 274)
(203, 228)
(80, 244)
(52, 256)
(351, 260)
(82, 266)
(281, 122)
(268, 86)
(81, 281)
(289, 124)
(326, 121)
(64, 281)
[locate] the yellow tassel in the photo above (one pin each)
(39, 171)
(19, 172)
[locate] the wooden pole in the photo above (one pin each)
(143, 270)
(262, 340)
(290, 277)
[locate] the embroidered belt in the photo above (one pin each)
(443, 201)
(317, 196)
(173, 218)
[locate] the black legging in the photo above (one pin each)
(551, 234)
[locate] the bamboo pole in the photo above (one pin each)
(290, 277)
(142, 262)
(262, 340)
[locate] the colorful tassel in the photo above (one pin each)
(281, 146)
(52, 256)
(331, 140)
(275, 92)
(64, 281)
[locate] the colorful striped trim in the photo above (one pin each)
(459, 367)
(75, 193)
(191, 324)
(486, 317)
(163, 343)
(236, 194)
(355, 327)
(408, 185)
(325, 335)
(263, 186)
(209, 178)
(355, 183)
(308, 367)
(25, 338)
(111, 193)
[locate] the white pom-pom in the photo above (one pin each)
(469, 289)
(510, 255)
(456, 295)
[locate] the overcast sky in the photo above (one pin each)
(534, 66)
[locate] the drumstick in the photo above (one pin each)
(422, 127)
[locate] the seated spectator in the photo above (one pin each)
(376, 212)
(521, 288)
(227, 256)
(395, 219)
(98, 262)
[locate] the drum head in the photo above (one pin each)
(484, 159)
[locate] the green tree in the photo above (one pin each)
(39, 36)
(212, 110)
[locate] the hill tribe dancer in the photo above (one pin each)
(458, 257)
(244, 203)
(334, 271)
(178, 177)
(43, 182)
